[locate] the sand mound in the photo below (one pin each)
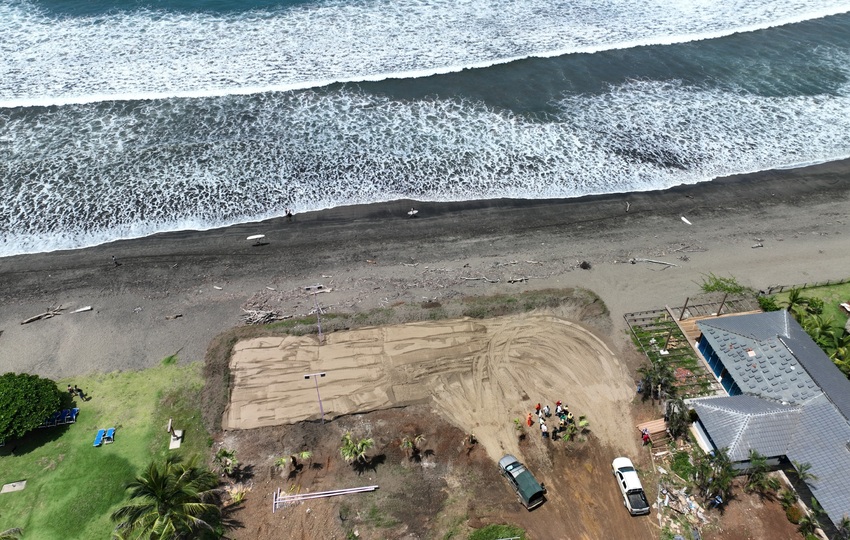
(479, 374)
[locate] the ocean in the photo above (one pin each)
(124, 119)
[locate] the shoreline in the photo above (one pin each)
(374, 255)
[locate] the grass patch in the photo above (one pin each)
(495, 532)
(72, 487)
(714, 283)
(169, 360)
(832, 296)
(378, 518)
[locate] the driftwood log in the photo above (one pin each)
(50, 313)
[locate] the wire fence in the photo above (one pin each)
(775, 289)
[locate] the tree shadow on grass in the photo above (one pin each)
(34, 440)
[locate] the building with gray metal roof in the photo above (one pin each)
(787, 399)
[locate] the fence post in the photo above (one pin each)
(682, 314)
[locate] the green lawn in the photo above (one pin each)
(72, 487)
(832, 296)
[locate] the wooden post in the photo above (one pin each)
(667, 341)
(722, 302)
(682, 315)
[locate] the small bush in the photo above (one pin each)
(814, 306)
(169, 360)
(713, 283)
(682, 466)
(794, 514)
(495, 532)
(768, 303)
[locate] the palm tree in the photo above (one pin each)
(795, 300)
(757, 479)
(226, 462)
(677, 416)
(819, 329)
(844, 528)
(658, 379)
(170, 500)
(354, 451)
(803, 471)
(11, 534)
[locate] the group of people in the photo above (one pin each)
(76, 392)
(562, 413)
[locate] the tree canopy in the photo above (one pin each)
(25, 402)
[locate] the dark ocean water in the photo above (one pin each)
(122, 119)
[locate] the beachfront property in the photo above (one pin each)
(787, 401)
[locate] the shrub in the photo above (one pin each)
(681, 465)
(814, 306)
(794, 514)
(25, 402)
(768, 303)
(713, 283)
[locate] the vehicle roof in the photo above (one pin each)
(627, 469)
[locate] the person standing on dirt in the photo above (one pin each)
(558, 408)
(537, 410)
(529, 421)
(547, 412)
(544, 431)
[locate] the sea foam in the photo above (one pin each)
(125, 55)
(80, 175)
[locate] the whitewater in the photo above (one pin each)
(145, 54)
(124, 123)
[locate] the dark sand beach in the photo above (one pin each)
(375, 255)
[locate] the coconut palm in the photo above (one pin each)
(676, 413)
(757, 478)
(804, 471)
(354, 450)
(796, 301)
(819, 329)
(658, 379)
(170, 500)
(226, 462)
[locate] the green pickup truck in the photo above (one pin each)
(529, 491)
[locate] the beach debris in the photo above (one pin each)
(261, 316)
(412, 212)
(82, 309)
(584, 265)
(636, 260)
(271, 288)
(686, 220)
(517, 280)
(326, 277)
(628, 206)
(50, 313)
(690, 249)
(480, 277)
(137, 309)
(216, 287)
(534, 262)
(175, 265)
(413, 265)
(758, 245)
(370, 261)
(172, 317)
(318, 291)
(257, 238)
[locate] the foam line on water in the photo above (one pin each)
(85, 174)
(151, 54)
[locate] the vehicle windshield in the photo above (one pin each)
(627, 469)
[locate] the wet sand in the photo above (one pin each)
(375, 255)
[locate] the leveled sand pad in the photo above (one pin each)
(479, 374)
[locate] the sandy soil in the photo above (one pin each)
(479, 374)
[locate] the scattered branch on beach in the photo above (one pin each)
(509, 263)
(481, 277)
(258, 316)
(518, 280)
(757, 245)
(634, 261)
(172, 317)
(410, 264)
(689, 249)
(628, 206)
(319, 291)
(82, 309)
(49, 314)
(534, 262)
